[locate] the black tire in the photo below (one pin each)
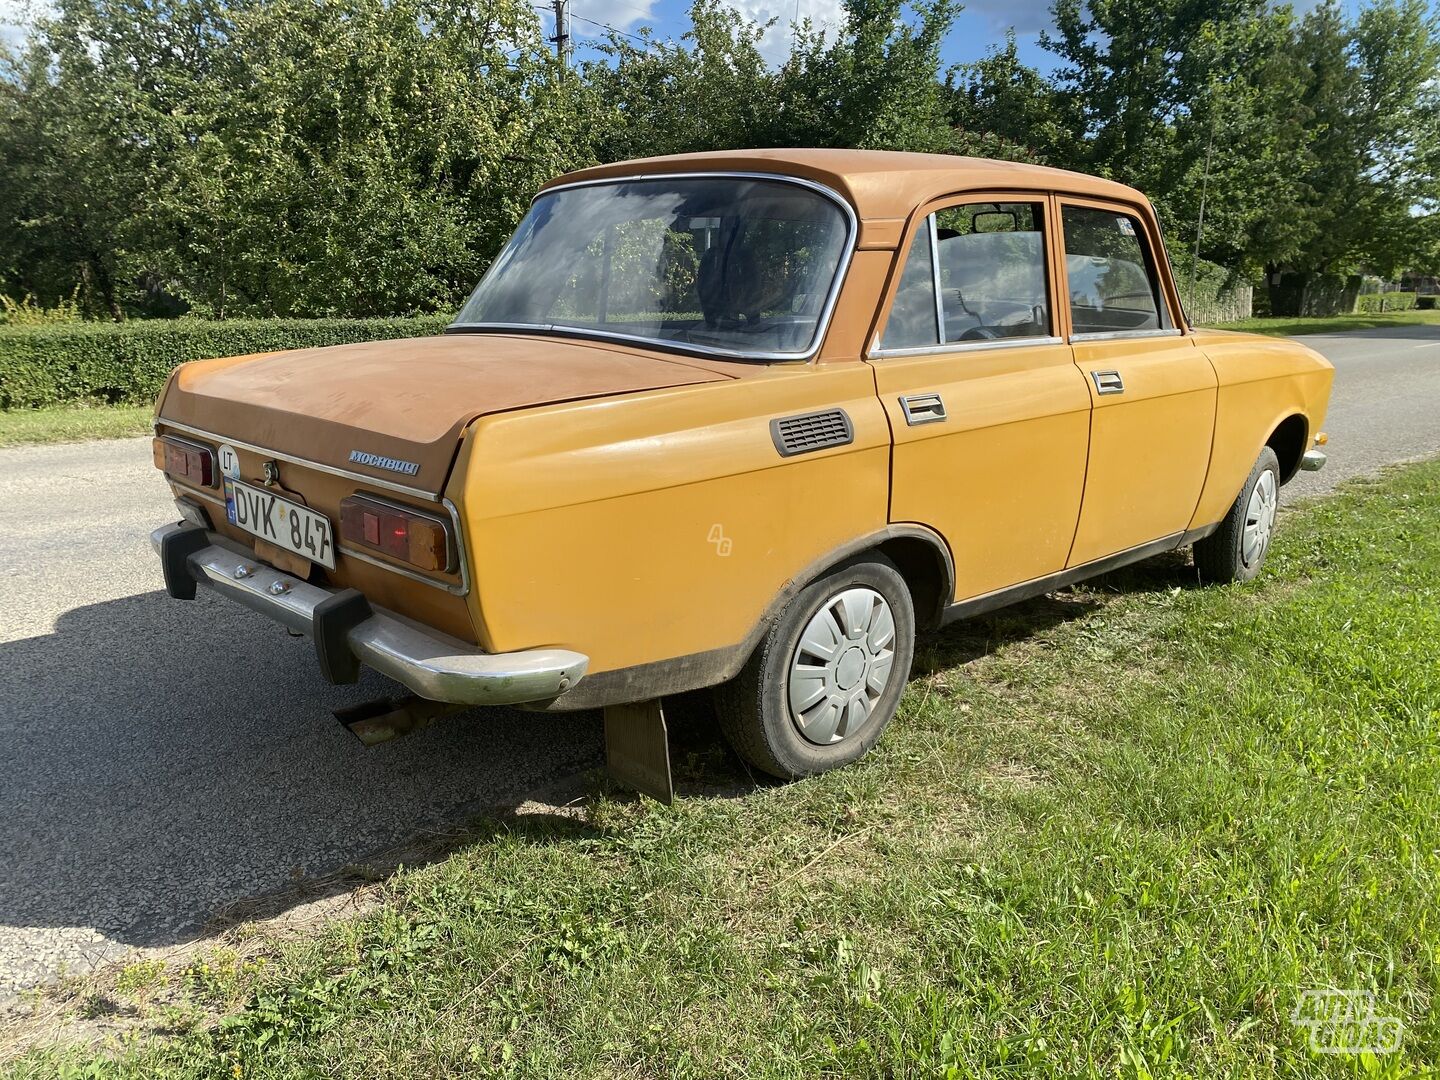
(754, 707)
(1220, 558)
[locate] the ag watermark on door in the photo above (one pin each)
(1346, 1022)
(722, 543)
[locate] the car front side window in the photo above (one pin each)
(912, 323)
(1113, 288)
(985, 261)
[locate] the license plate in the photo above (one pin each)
(288, 525)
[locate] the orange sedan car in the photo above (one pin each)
(743, 420)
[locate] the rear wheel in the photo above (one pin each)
(1236, 550)
(827, 677)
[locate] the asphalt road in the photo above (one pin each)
(1385, 406)
(162, 760)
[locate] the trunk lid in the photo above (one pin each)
(404, 403)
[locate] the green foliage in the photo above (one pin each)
(1005, 109)
(129, 363)
(27, 312)
(1382, 302)
(367, 157)
(349, 157)
(873, 85)
(1313, 141)
(711, 91)
(1333, 324)
(1367, 178)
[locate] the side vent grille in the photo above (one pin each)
(812, 431)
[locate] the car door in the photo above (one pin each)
(989, 415)
(1153, 391)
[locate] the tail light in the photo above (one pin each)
(185, 460)
(422, 540)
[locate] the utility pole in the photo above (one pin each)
(562, 31)
(1200, 224)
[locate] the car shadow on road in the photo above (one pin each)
(163, 760)
(171, 767)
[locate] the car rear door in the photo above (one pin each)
(1153, 392)
(989, 415)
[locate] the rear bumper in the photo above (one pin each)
(347, 631)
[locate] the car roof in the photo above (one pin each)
(878, 183)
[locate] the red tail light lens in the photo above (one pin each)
(419, 539)
(184, 460)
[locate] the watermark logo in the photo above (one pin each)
(720, 540)
(1346, 1022)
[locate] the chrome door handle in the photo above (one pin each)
(923, 409)
(1108, 382)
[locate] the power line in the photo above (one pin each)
(613, 29)
(554, 8)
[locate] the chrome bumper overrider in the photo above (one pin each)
(432, 664)
(1313, 460)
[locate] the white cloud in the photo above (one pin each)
(825, 15)
(1025, 16)
(621, 14)
(16, 18)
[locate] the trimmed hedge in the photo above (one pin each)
(128, 363)
(1377, 303)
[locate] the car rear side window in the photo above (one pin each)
(1113, 288)
(986, 263)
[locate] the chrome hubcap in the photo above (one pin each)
(1259, 519)
(842, 665)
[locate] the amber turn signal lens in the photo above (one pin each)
(184, 460)
(419, 539)
(1321, 439)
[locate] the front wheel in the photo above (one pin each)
(827, 677)
(1236, 550)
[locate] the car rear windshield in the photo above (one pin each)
(733, 265)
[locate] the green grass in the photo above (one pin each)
(19, 427)
(1114, 832)
(1333, 324)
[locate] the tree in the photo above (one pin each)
(355, 157)
(351, 157)
(1005, 108)
(875, 86)
(710, 91)
(1367, 192)
(79, 148)
(1130, 70)
(1240, 147)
